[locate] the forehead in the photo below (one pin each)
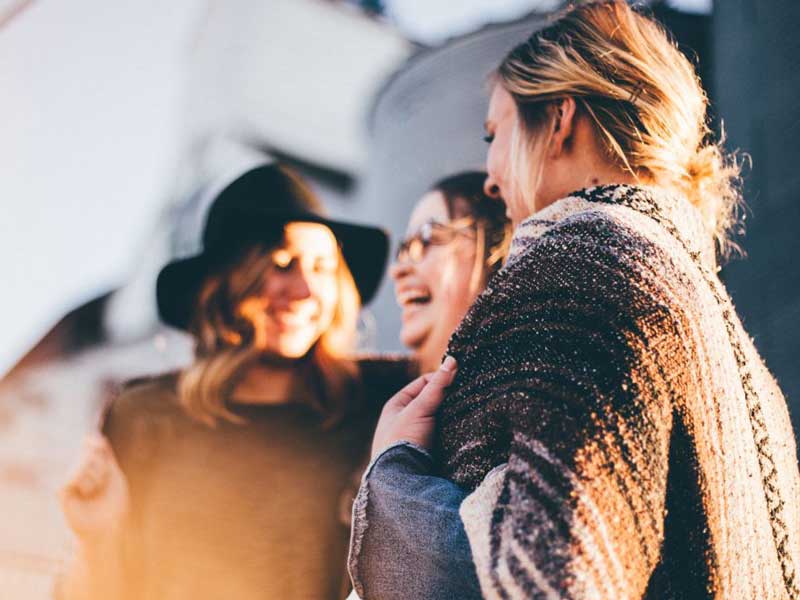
(431, 207)
(309, 238)
(501, 106)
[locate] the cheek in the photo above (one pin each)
(274, 289)
(252, 310)
(517, 208)
(432, 269)
(494, 165)
(454, 283)
(502, 151)
(327, 294)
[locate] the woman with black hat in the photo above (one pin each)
(227, 479)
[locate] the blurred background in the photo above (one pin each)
(119, 115)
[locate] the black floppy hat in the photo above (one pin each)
(253, 209)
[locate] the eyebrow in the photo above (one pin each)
(486, 125)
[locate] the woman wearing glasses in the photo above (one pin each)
(457, 239)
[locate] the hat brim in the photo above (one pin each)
(365, 250)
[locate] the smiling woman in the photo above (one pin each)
(296, 301)
(457, 239)
(229, 479)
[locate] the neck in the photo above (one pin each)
(583, 162)
(426, 361)
(265, 383)
(608, 177)
(429, 356)
(590, 179)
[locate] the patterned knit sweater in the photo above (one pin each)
(618, 432)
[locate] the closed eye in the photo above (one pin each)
(282, 260)
(325, 266)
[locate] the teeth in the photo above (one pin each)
(290, 318)
(413, 297)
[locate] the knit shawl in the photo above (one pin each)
(618, 433)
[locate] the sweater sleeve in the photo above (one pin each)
(569, 375)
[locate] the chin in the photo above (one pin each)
(295, 348)
(293, 353)
(427, 359)
(411, 339)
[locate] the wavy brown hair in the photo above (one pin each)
(226, 343)
(640, 92)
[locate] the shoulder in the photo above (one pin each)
(146, 395)
(593, 267)
(141, 411)
(384, 374)
(587, 252)
(582, 235)
(386, 365)
(616, 231)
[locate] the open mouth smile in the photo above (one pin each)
(414, 297)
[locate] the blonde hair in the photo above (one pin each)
(226, 344)
(640, 92)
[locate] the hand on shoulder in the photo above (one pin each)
(410, 415)
(95, 499)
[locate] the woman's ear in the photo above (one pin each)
(563, 126)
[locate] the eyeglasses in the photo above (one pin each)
(414, 247)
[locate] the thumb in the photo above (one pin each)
(431, 396)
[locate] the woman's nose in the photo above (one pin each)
(298, 288)
(400, 268)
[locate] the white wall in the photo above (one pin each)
(90, 95)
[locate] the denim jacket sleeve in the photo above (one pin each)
(407, 539)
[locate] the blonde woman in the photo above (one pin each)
(226, 480)
(611, 431)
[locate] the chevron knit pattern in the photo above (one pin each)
(618, 432)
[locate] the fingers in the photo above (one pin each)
(409, 392)
(102, 450)
(90, 481)
(431, 396)
(92, 473)
(96, 446)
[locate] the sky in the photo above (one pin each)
(433, 21)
